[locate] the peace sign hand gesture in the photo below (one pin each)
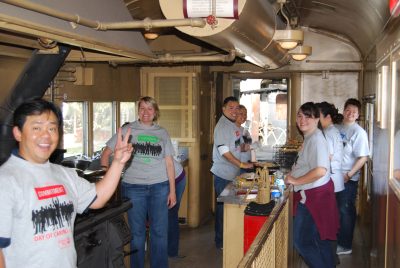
(123, 150)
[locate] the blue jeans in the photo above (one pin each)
(173, 220)
(315, 252)
(346, 201)
(149, 202)
(219, 186)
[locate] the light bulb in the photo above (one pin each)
(288, 44)
(299, 57)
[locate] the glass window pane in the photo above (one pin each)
(396, 107)
(127, 112)
(102, 124)
(175, 121)
(171, 90)
(73, 128)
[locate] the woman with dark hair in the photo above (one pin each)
(316, 220)
(328, 117)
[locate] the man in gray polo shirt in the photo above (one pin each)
(226, 158)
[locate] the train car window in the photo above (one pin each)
(102, 124)
(381, 143)
(382, 96)
(395, 151)
(174, 94)
(73, 113)
(127, 112)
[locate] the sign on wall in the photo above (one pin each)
(204, 8)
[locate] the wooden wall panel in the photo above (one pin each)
(120, 83)
(393, 238)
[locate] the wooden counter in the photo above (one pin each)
(234, 206)
(233, 226)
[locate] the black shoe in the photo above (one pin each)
(337, 259)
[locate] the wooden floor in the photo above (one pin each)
(197, 245)
(358, 258)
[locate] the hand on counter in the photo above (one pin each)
(244, 165)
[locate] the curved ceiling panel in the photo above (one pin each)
(361, 21)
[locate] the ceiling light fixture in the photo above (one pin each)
(301, 52)
(150, 35)
(288, 38)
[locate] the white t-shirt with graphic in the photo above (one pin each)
(38, 205)
(151, 144)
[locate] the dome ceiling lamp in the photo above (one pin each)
(301, 52)
(288, 38)
(150, 35)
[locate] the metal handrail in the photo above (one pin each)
(265, 232)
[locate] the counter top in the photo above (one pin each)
(230, 196)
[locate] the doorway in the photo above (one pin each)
(266, 102)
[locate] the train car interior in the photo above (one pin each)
(96, 58)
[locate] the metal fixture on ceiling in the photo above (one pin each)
(47, 43)
(198, 57)
(251, 35)
(301, 52)
(101, 26)
(146, 24)
(288, 38)
(150, 35)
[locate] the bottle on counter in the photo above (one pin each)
(279, 181)
(275, 193)
(253, 157)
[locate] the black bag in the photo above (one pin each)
(255, 209)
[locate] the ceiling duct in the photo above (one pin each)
(251, 36)
(78, 23)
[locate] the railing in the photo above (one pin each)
(272, 247)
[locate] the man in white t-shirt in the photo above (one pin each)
(39, 200)
(355, 154)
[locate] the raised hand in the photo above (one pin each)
(123, 150)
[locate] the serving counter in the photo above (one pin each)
(234, 206)
(235, 202)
